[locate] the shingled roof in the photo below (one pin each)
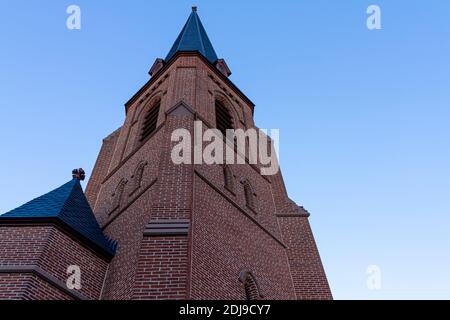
(66, 205)
(193, 38)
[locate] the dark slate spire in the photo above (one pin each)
(193, 38)
(69, 206)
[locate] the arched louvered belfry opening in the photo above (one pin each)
(228, 177)
(251, 287)
(224, 120)
(150, 121)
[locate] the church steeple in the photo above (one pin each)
(193, 38)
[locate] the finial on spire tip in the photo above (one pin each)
(194, 8)
(78, 174)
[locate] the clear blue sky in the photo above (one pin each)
(364, 115)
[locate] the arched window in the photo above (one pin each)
(228, 178)
(118, 195)
(224, 120)
(150, 122)
(249, 195)
(137, 176)
(251, 287)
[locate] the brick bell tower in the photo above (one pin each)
(194, 231)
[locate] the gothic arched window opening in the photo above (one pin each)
(150, 122)
(224, 120)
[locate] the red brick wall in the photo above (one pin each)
(15, 286)
(52, 251)
(170, 196)
(264, 211)
(39, 289)
(101, 167)
(162, 271)
(22, 245)
(127, 229)
(225, 242)
(27, 286)
(307, 271)
(146, 153)
(173, 194)
(62, 251)
(126, 224)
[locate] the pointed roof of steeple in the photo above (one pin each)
(69, 206)
(193, 38)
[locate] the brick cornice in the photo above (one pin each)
(44, 275)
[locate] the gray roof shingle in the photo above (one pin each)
(68, 205)
(193, 38)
